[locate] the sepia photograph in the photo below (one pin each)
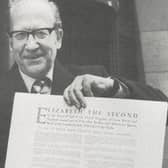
(83, 84)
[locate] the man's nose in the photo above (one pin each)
(31, 43)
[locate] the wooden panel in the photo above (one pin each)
(155, 51)
(158, 80)
(152, 14)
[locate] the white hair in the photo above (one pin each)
(13, 4)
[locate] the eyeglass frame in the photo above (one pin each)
(32, 32)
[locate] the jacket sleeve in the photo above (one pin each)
(141, 91)
(136, 90)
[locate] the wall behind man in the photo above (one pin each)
(153, 26)
(4, 49)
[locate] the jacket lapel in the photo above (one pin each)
(17, 84)
(61, 79)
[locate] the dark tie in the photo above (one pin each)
(41, 86)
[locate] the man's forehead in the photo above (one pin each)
(28, 2)
(32, 10)
(24, 6)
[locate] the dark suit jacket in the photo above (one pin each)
(12, 82)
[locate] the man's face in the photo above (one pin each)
(34, 56)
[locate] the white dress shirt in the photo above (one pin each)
(29, 80)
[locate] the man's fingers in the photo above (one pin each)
(73, 93)
(77, 90)
(80, 97)
(66, 96)
(72, 97)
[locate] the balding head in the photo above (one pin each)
(18, 7)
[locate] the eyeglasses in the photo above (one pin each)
(37, 34)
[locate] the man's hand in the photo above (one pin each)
(86, 85)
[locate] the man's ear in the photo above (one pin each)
(59, 37)
(10, 44)
(11, 53)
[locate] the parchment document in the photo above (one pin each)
(109, 133)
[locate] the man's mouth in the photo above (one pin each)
(32, 57)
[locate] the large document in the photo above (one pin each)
(109, 133)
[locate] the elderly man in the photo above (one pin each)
(35, 36)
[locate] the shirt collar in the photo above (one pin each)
(29, 80)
